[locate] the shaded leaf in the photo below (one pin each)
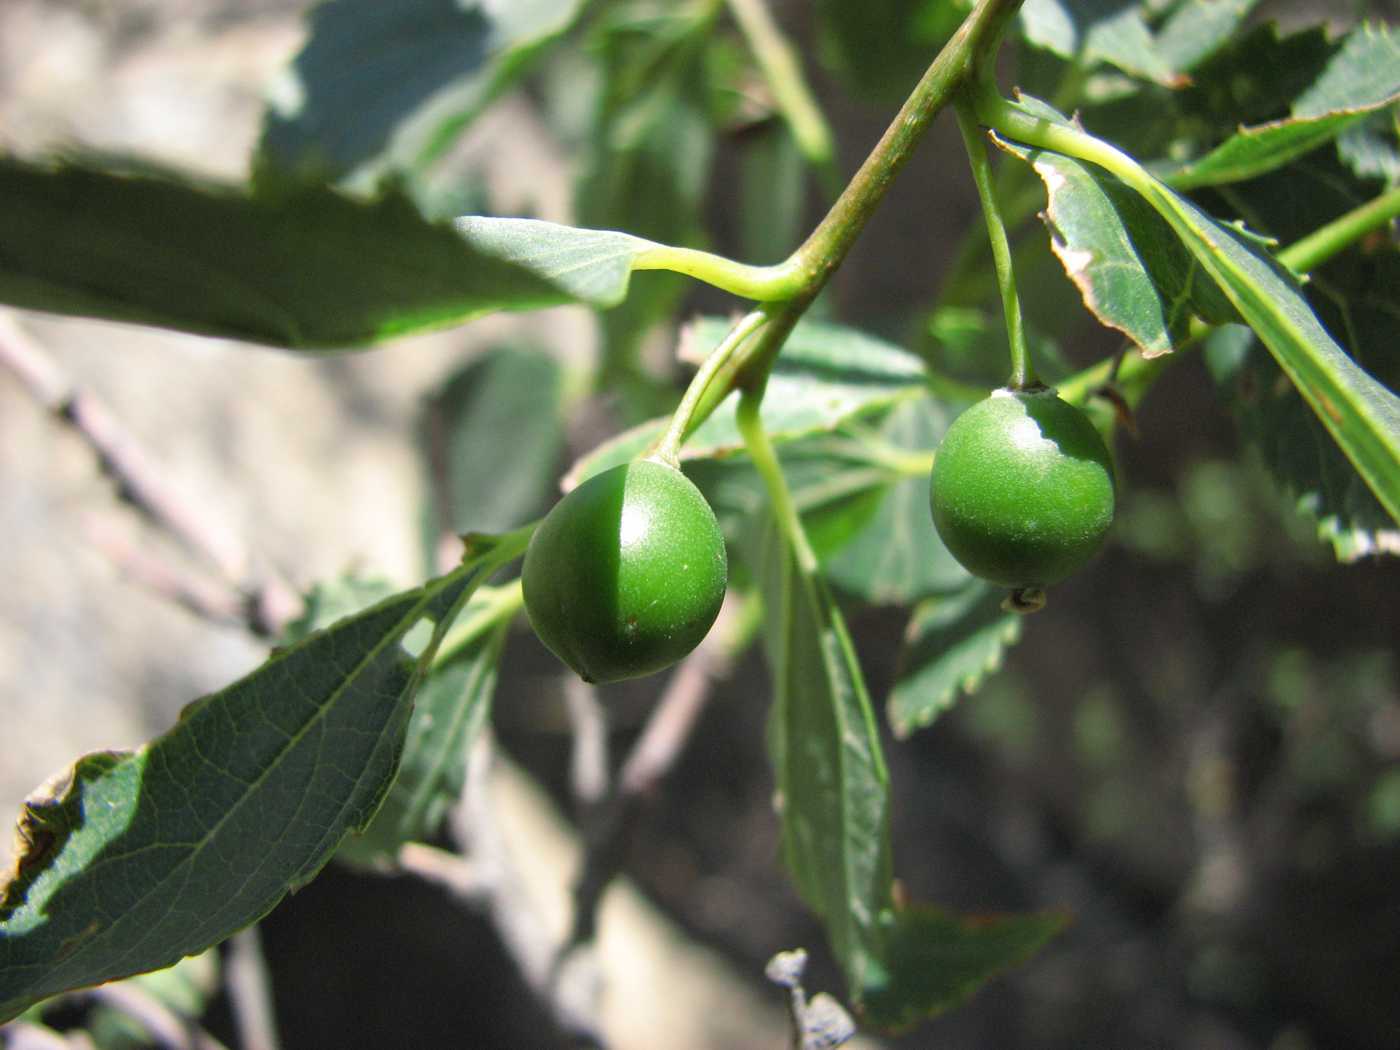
(897, 558)
(133, 860)
(1092, 31)
(492, 436)
(1196, 29)
(1131, 268)
(825, 375)
(1360, 78)
(453, 704)
(953, 642)
(300, 266)
(936, 960)
(386, 87)
(832, 787)
(1297, 450)
(648, 152)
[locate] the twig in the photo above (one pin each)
(22, 1036)
(250, 992)
(165, 577)
(165, 1027)
(609, 831)
(819, 1023)
(262, 602)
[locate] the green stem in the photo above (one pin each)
(779, 62)
(1022, 371)
(1326, 241)
(765, 460)
(759, 283)
(972, 45)
(683, 420)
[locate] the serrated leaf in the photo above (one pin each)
(1092, 31)
(492, 436)
(1297, 450)
(1362, 416)
(897, 558)
(1360, 78)
(1131, 268)
(386, 87)
(296, 266)
(1255, 151)
(1371, 148)
(825, 375)
(832, 786)
(952, 643)
(936, 960)
(133, 860)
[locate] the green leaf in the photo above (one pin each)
(1197, 29)
(825, 376)
(452, 706)
(1371, 148)
(1297, 450)
(1362, 416)
(299, 266)
(953, 642)
(1092, 31)
(936, 960)
(1362, 77)
(133, 860)
(386, 87)
(1129, 265)
(897, 558)
(492, 436)
(832, 787)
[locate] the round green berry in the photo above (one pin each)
(626, 574)
(1022, 488)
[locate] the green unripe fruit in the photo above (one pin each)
(626, 574)
(1022, 488)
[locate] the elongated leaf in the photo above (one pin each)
(953, 642)
(1092, 31)
(452, 706)
(833, 790)
(825, 375)
(299, 267)
(1131, 268)
(134, 860)
(1362, 416)
(936, 960)
(1361, 78)
(382, 87)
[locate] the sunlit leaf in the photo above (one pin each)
(295, 266)
(833, 790)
